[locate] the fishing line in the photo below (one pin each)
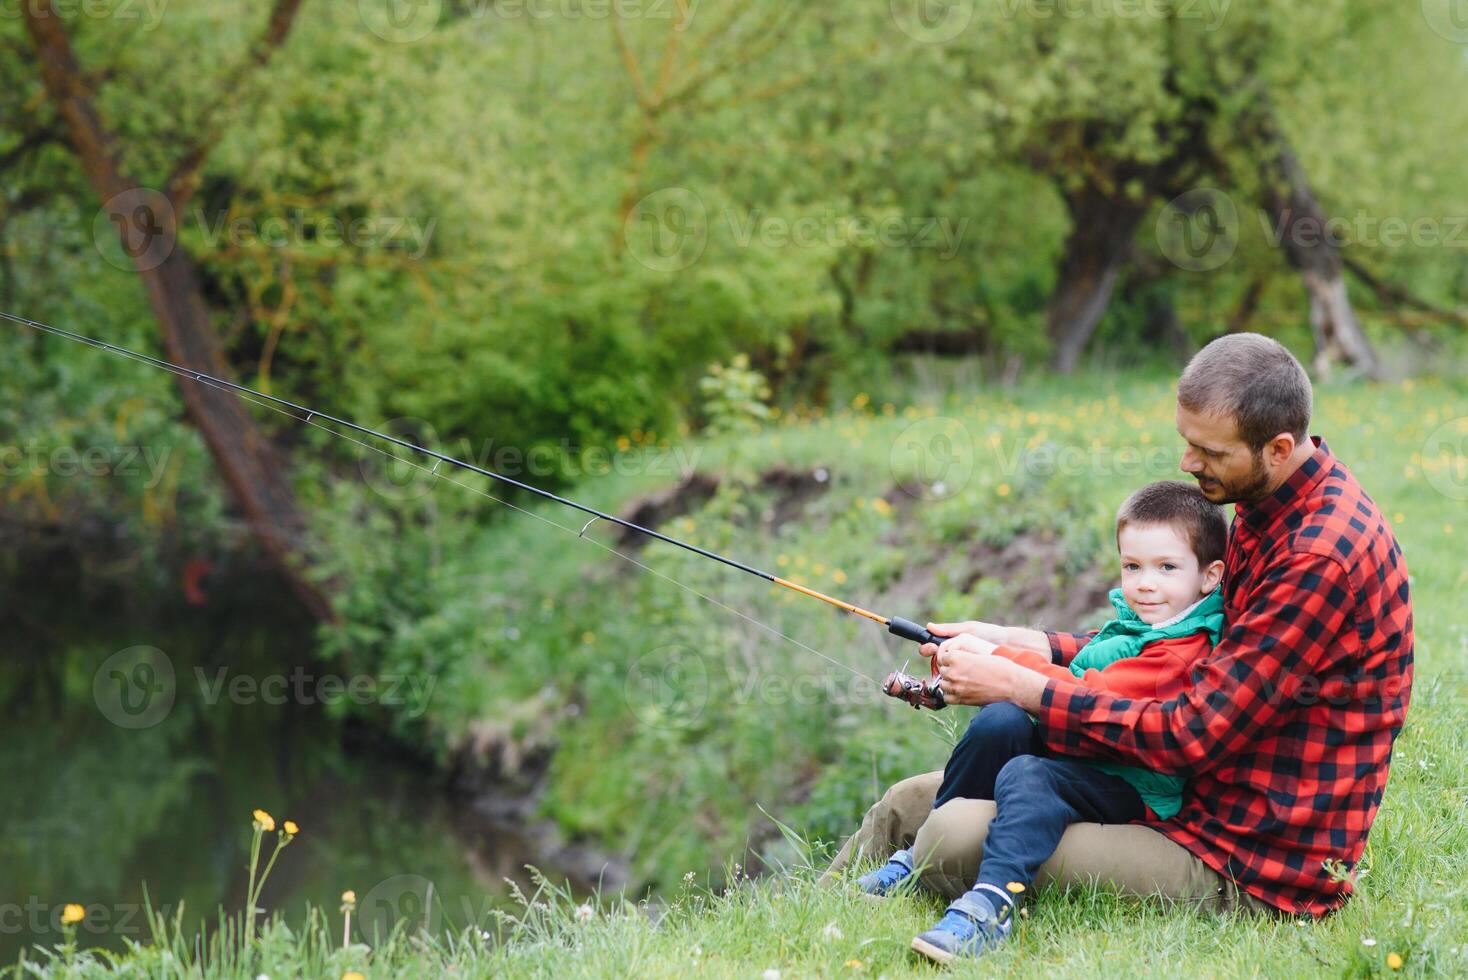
(896, 625)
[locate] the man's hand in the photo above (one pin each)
(986, 632)
(1019, 637)
(971, 677)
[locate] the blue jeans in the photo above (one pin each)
(1001, 757)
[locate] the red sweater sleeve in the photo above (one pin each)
(1161, 670)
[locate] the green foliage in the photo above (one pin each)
(734, 398)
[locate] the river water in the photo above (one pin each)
(127, 766)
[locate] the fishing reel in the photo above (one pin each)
(924, 692)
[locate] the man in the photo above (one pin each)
(1285, 735)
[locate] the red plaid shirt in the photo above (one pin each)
(1286, 735)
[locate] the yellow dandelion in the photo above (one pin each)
(782, 560)
(1015, 887)
(1002, 490)
(839, 576)
(291, 828)
(72, 914)
(881, 506)
(353, 975)
(1447, 529)
(1394, 960)
(1399, 518)
(263, 820)
(853, 964)
(588, 637)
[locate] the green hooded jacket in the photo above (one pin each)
(1125, 636)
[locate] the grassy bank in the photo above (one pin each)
(672, 716)
(673, 719)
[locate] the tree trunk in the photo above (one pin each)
(1300, 227)
(1098, 244)
(246, 459)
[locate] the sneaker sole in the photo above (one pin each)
(941, 956)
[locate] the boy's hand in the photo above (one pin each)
(967, 643)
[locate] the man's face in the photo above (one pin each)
(1226, 469)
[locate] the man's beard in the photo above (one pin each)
(1249, 489)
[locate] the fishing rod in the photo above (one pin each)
(925, 692)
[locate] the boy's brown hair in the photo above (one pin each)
(1183, 507)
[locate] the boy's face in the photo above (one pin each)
(1160, 576)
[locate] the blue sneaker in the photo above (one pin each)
(971, 927)
(882, 881)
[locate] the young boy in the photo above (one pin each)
(1169, 615)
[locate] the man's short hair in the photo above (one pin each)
(1183, 507)
(1255, 381)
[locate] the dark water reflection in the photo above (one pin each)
(93, 812)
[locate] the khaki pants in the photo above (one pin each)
(948, 843)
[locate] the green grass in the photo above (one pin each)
(676, 720)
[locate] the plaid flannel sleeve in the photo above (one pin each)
(1065, 646)
(1295, 624)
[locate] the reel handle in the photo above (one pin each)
(909, 630)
